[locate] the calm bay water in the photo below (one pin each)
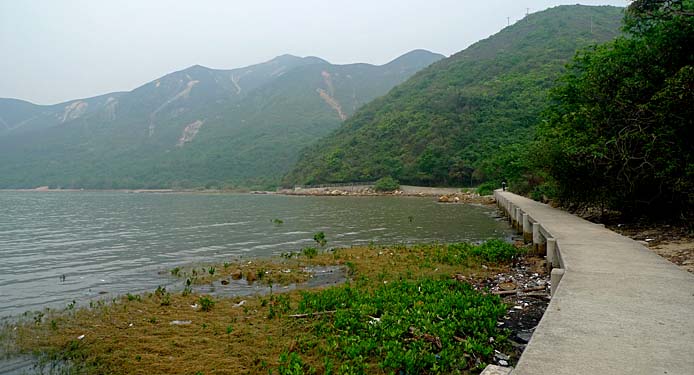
(117, 242)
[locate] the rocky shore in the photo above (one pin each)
(443, 195)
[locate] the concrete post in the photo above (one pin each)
(539, 246)
(512, 214)
(527, 229)
(552, 258)
(555, 278)
(519, 221)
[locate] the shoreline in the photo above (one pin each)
(136, 331)
(443, 194)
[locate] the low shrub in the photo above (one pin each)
(206, 303)
(486, 188)
(387, 184)
(428, 326)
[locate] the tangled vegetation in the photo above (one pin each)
(401, 312)
(619, 132)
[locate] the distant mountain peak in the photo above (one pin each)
(197, 67)
(416, 56)
(289, 58)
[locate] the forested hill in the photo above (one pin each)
(198, 127)
(440, 126)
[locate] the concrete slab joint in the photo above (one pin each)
(555, 277)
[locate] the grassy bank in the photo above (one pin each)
(400, 312)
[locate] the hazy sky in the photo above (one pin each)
(56, 50)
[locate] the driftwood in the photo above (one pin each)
(313, 314)
(506, 292)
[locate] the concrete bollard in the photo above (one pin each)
(552, 258)
(527, 229)
(555, 278)
(539, 242)
(519, 221)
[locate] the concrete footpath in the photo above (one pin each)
(617, 307)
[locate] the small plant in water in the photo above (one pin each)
(277, 221)
(175, 271)
(211, 270)
(320, 238)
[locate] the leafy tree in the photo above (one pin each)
(620, 128)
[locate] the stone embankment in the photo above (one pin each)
(444, 195)
(616, 307)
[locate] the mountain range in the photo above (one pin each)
(192, 128)
(422, 119)
(444, 125)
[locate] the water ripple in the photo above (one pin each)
(115, 242)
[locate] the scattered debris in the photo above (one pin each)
(525, 289)
(180, 322)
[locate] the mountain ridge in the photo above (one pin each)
(440, 126)
(168, 132)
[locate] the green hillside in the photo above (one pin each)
(198, 127)
(440, 126)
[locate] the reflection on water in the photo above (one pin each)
(116, 242)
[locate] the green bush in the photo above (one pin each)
(206, 303)
(495, 251)
(486, 188)
(427, 326)
(387, 184)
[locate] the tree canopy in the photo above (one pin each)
(619, 130)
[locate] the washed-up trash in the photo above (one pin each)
(240, 304)
(80, 337)
(195, 306)
(501, 356)
(130, 325)
(180, 322)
